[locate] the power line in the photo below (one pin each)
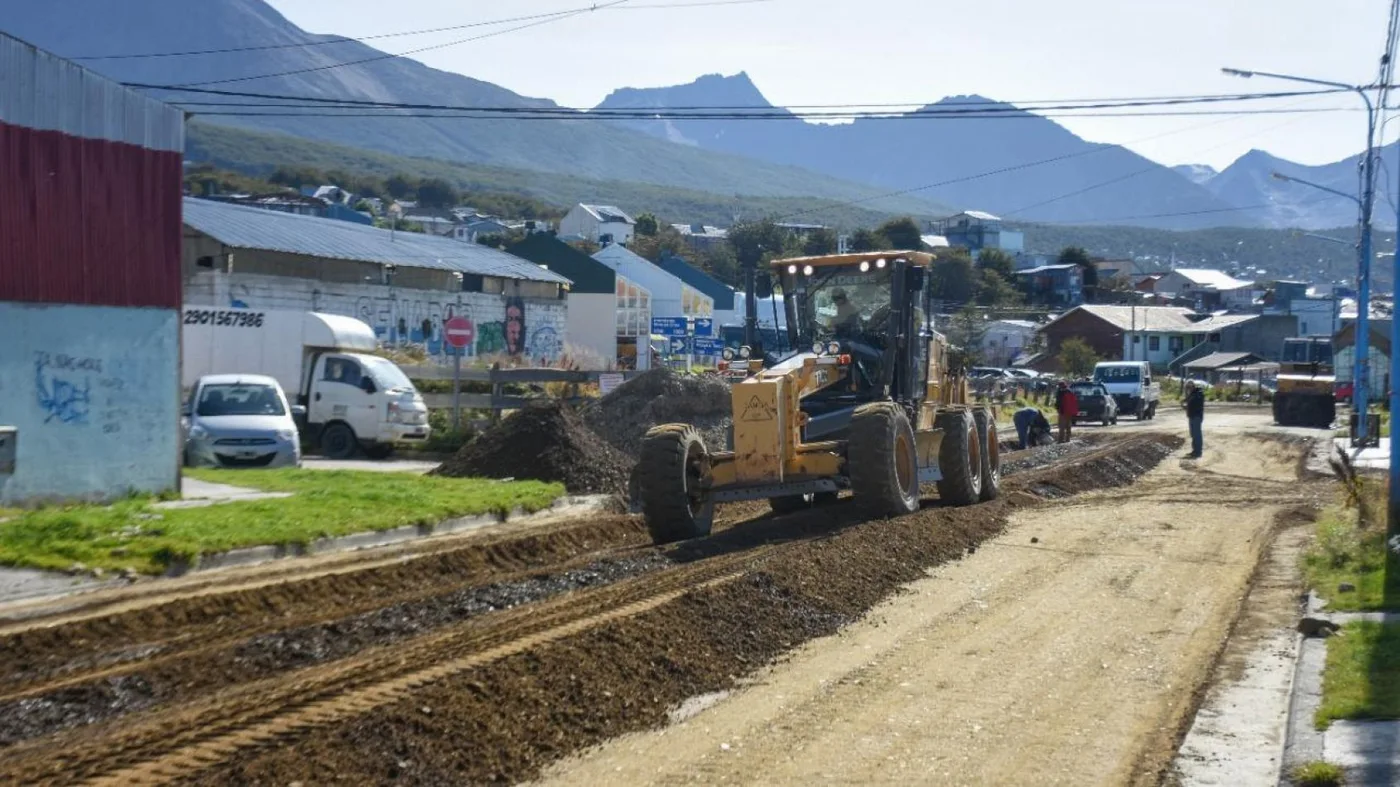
(420, 50)
(360, 39)
(781, 112)
(464, 115)
(1154, 166)
(1204, 212)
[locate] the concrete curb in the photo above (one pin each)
(251, 556)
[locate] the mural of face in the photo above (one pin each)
(515, 326)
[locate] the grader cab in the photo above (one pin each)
(868, 403)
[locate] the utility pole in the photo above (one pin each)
(1392, 517)
(1361, 366)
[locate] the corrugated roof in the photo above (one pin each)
(1223, 360)
(1044, 268)
(1151, 318)
(268, 230)
(1219, 321)
(608, 213)
(42, 91)
(977, 214)
(1205, 277)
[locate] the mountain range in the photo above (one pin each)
(1018, 165)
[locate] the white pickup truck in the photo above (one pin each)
(1131, 385)
(353, 400)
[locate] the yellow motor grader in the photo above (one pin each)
(867, 403)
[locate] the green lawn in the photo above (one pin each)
(1362, 676)
(325, 503)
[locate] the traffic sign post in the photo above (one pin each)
(459, 333)
(707, 345)
(704, 326)
(669, 326)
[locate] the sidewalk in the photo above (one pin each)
(1366, 458)
(1368, 750)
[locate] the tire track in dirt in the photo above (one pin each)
(168, 742)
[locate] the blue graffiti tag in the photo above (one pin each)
(62, 400)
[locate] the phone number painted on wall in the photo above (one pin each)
(237, 319)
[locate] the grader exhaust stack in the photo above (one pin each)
(869, 405)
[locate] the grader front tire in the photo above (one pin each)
(884, 465)
(671, 484)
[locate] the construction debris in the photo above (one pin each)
(545, 442)
(662, 396)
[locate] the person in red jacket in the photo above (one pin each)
(1067, 407)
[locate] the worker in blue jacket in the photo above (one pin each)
(1031, 426)
(1195, 405)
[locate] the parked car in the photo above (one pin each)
(1201, 384)
(1344, 390)
(1028, 374)
(1095, 403)
(240, 420)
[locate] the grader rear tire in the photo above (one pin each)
(674, 500)
(991, 454)
(960, 459)
(884, 465)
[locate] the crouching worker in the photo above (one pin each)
(1031, 427)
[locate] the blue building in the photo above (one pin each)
(1052, 285)
(976, 230)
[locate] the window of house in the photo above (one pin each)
(1176, 343)
(1137, 339)
(1154, 343)
(1215, 337)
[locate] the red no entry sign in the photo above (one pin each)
(459, 332)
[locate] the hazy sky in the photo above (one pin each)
(886, 51)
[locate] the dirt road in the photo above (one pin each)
(1066, 651)
(492, 657)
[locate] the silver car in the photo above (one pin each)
(240, 420)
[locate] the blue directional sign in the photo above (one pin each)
(669, 326)
(680, 345)
(704, 345)
(704, 326)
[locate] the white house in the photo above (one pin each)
(1005, 340)
(595, 222)
(1213, 288)
(670, 297)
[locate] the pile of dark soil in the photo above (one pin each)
(545, 442)
(662, 396)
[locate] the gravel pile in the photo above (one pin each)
(661, 396)
(546, 442)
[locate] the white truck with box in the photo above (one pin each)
(353, 400)
(1131, 385)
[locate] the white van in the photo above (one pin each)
(1132, 387)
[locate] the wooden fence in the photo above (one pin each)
(498, 379)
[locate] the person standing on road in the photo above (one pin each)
(1195, 404)
(1031, 426)
(1067, 407)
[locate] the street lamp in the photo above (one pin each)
(1361, 366)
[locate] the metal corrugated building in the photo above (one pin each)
(90, 215)
(90, 185)
(242, 227)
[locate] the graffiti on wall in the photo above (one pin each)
(63, 386)
(68, 387)
(533, 329)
